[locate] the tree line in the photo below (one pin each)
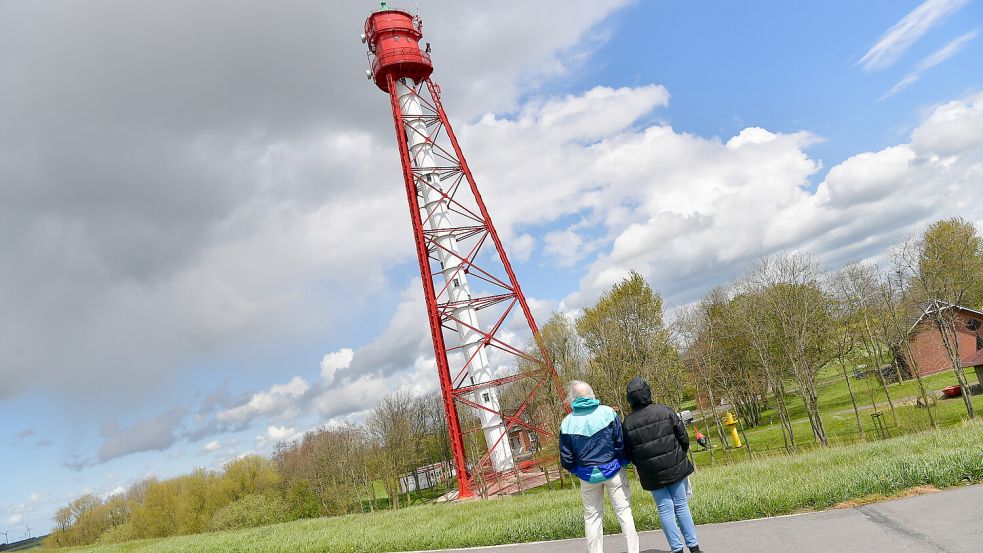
(770, 335)
(333, 470)
(775, 332)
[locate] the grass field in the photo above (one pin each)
(838, 416)
(772, 486)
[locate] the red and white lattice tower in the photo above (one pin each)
(470, 289)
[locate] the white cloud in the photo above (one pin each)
(947, 51)
(213, 445)
(280, 433)
(115, 491)
(185, 270)
(689, 212)
(15, 519)
(405, 338)
(904, 83)
(933, 59)
(565, 246)
(896, 40)
(332, 362)
(363, 393)
(521, 247)
(280, 400)
(272, 435)
(543, 155)
(954, 128)
(706, 208)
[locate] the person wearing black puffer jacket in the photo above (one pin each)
(656, 443)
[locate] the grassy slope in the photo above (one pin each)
(837, 412)
(773, 486)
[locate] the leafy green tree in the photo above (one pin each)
(944, 269)
(199, 495)
(156, 515)
(249, 511)
(249, 475)
(950, 263)
(626, 337)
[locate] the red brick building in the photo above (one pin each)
(927, 349)
(975, 362)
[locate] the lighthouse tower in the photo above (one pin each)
(488, 383)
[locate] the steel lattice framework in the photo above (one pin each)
(530, 370)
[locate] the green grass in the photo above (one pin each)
(838, 416)
(765, 487)
(419, 497)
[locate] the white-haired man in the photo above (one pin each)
(592, 448)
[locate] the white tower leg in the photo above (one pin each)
(479, 371)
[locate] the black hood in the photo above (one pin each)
(639, 393)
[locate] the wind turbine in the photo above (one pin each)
(5, 532)
(28, 533)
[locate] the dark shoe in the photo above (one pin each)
(695, 549)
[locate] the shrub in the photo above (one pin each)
(118, 534)
(248, 511)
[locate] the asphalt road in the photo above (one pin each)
(943, 522)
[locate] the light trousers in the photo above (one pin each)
(619, 493)
(673, 505)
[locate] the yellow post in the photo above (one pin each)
(731, 423)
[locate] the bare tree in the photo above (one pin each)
(698, 359)
(895, 328)
(791, 287)
(857, 285)
(845, 318)
(565, 347)
(391, 427)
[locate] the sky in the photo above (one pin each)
(204, 245)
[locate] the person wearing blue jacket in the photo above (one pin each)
(592, 448)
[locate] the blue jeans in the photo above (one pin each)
(673, 506)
